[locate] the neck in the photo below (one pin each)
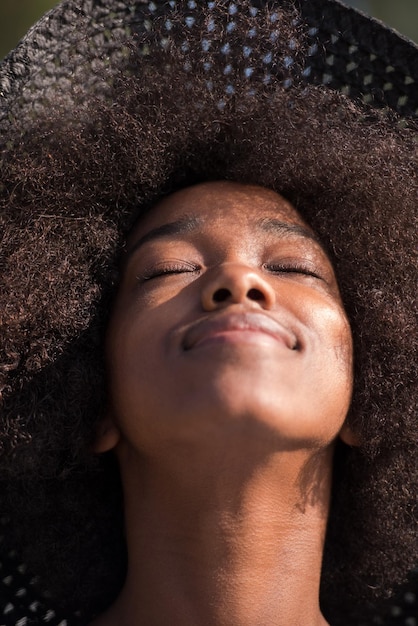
(223, 548)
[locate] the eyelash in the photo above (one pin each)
(294, 268)
(180, 268)
(169, 268)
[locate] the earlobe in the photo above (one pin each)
(107, 436)
(348, 436)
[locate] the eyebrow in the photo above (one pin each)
(188, 224)
(181, 226)
(277, 227)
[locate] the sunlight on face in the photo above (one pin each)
(228, 310)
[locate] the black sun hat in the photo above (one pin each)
(347, 51)
(69, 51)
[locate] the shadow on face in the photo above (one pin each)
(227, 328)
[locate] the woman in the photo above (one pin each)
(233, 236)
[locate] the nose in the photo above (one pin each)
(233, 283)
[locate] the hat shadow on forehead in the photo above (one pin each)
(246, 63)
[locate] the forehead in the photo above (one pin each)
(219, 202)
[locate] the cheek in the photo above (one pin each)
(132, 345)
(129, 368)
(334, 367)
(335, 335)
(327, 326)
(139, 357)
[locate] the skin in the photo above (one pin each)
(230, 372)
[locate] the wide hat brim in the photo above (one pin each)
(62, 56)
(347, 51)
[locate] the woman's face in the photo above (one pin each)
(228, 319)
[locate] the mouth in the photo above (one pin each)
(248, 327)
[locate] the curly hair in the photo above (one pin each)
(73, 185)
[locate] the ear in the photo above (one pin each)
(348, 436)
(107, 435)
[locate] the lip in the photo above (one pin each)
(237, 327)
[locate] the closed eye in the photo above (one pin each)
(167, 268)
(293, 268)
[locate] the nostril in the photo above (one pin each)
(255, 294)
(221, 295)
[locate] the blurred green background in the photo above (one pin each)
(17, 15)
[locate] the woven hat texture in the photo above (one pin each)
(63, 56)
(63, 53)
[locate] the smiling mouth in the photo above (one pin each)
(246, 327)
